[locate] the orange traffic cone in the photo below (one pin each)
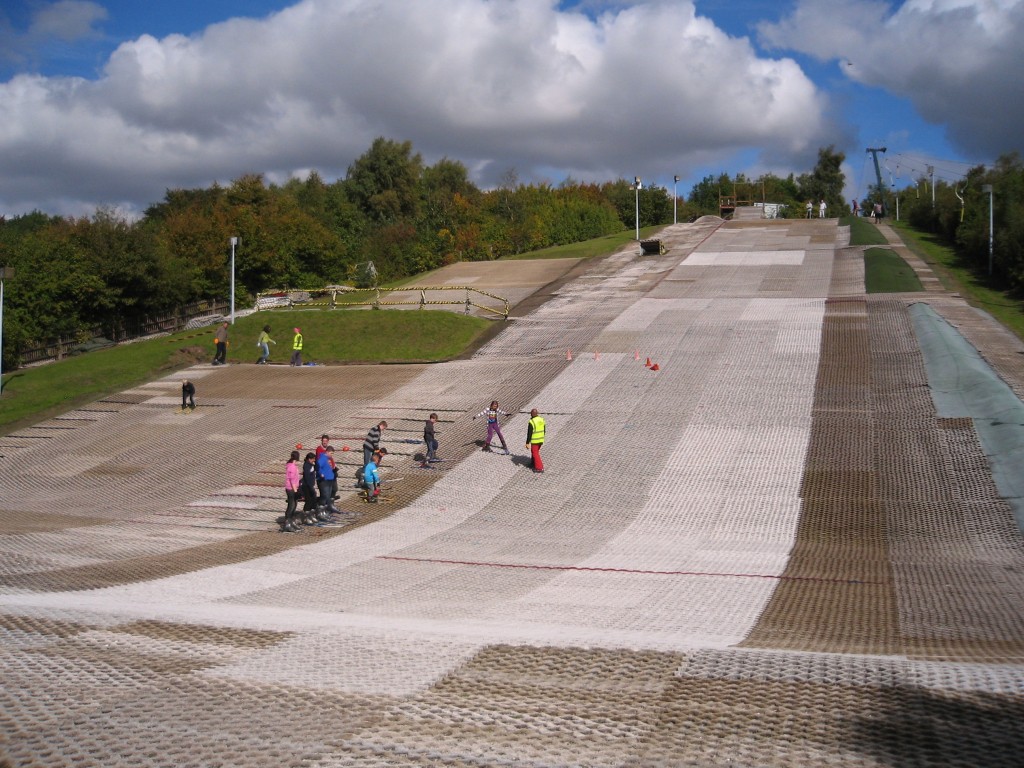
(648, 363)
(568, 354)
(655, 367)
(298, 446)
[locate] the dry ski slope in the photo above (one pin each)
(769, 552)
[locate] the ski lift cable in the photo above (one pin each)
(940, 168)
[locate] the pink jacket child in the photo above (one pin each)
(291, 490)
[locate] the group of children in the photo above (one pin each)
(316, 483)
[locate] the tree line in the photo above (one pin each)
(959, 217)
(76, 276)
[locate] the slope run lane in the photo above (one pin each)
(691, 470)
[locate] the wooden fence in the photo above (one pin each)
(56, 349)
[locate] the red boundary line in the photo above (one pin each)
(590, 569)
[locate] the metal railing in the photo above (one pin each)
(328, 297)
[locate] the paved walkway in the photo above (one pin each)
(768, 552)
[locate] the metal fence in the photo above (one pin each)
(329, 298)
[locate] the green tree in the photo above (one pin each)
(384, 181)
(704, 195)
(55, 291)
(826, 181)
(1007, 200)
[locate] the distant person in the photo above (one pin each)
(325, 480)
(371, 477)
(188, 393)
(535, 440)
(220, 338)
(430, 438)
(856, 208)
(296, 348)
(821, 208)
(879, 212)
(264, 343)
(809, 207)
(325, 443)
(493, 414)
(310, 497)
(291, 490)
(372, 441)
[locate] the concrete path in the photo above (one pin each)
(770, 551)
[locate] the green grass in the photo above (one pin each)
(862, 231)
(886, 272)
(958, 276)
(599, 246)
(339, 336)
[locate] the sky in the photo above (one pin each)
(110, 103)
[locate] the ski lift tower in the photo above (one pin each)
(878, 173)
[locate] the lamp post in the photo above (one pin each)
(988, 188)
(234, 242)
(931, 180)
(5, 272)
(636, 186)
(675, 201)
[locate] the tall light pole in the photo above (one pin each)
(931, 180)
(988, 188)
(5, 272)
(636, 186)
(234, 242)
(675, 201)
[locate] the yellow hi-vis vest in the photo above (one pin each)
(297, 344)
(537, 435)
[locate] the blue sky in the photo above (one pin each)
(111, 102)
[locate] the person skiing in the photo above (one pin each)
(430, 438)
(264, 343)
(493, 426)
(188, 394)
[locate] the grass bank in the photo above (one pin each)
(331, 337)
(599, 246)
(959, 276)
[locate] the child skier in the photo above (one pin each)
(493, 427)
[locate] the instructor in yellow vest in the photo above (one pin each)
(297, 348)
(535, 439)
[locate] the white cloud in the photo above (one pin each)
(650, 89)
(957, 61)
(66, 20)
